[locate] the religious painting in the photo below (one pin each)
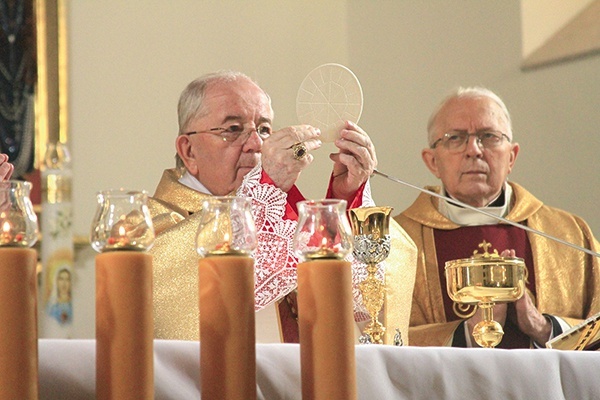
(18, 77)
(32, 84)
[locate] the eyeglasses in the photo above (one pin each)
(456, 141)
(235, 134)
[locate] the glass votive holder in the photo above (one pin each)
(323, 230)
(18, 222)
(226, 227)
(122, 222)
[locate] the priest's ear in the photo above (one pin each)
(512, 157)
(428, 156)
(186, 153)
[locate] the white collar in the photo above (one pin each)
(190, 181)
(466, 217)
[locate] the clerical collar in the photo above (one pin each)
(190, 181)
(466, 217)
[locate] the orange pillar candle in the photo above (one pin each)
(124, 326)
(227, 336)
(326, 323)
(18, 324)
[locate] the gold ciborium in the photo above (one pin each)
(485, 280)
(370, 227)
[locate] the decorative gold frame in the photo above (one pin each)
(51, 96)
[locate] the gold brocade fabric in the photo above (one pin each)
(175, 261)
(567, 280)
(400, 274)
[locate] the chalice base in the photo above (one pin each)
(375, 330)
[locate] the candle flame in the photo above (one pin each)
(6, 227)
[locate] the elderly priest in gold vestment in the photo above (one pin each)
(472, 151)
(226, 146)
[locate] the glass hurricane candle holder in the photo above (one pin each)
(18, 293)
(225, 240)
(226, 227)
(122, 231)
(322, 239)
(122, 222)
(18, 222)
(323, 230)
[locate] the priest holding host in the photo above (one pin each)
(227, 146)
(472, 151)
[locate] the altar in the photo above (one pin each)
(67, 371)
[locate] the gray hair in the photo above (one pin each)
(468, 92)
(191, 101)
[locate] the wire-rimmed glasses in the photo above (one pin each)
(235, 133)
(456, 141)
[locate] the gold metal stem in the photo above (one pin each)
(488, 311)
(372, 290)
(488, 333)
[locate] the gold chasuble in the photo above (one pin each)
(400, 275)
(175, 214)
(563, 282)
(175, 210)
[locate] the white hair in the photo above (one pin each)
(191, 101)
(468, 92)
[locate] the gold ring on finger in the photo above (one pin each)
(300, 151)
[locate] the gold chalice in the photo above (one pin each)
(372, 243)
(485, 280)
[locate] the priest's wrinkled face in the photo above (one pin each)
(471, 150)
(224, 143)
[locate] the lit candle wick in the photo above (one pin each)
(6, 235)
(121, 240)
(225, 246)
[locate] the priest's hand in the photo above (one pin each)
(529, 320)
(354, 163)
(527, 317)
(287, 152)
(6, 168)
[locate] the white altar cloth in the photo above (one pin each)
(67, 371)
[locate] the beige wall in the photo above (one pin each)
(540, 19)
(128, 62)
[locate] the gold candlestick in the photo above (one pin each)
(372, 242)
